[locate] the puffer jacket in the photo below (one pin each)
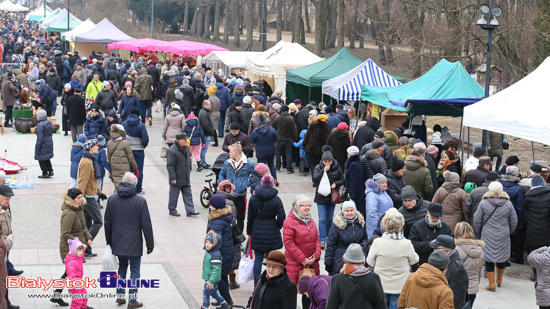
(255, 121)
(418, 176)
(457, 276)
(378, 202)
(377, 163)
(72, 224)
(540, 259)
(365, 134)
(45, 92)
(75, 83)
(95, 126)
(235, 116)
(219, 221)
(264, 137)
(224, 96)
(266, 215)
(107, 99)
(43, 149)
(453, 199)
(173, 124)
(412, 215)
(332, 121)
(55, 82)
(316, 137)
(143, 85)
(422, 233)
(286, 128)
(391, 140)
(343, 233)
(386, 154)
(537, 208)
(188, 97)
(136, 133)
(301, 240)
(197, 137)
(395, 186)
(237, 96)
(240, 178)
(511, 186)
(471, 253)
(335, 176)
(496, 227)
(76, 155)
(119, 155)
(426, 288)
(127, 104)
(339, 141)
(355, 183)
(494, 143)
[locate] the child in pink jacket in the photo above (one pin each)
(75, 270)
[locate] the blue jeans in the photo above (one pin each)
(145, 108)
(205, 149)
(269, 163)
(139, 156)
(54, 106)
(135, 264)
(10, 267)
(206, 294)
(471, 299)
(326, 213)
(391, 300)
(258, 259)
(499, 161)
(221, 124)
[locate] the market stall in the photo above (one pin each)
(83, 27)
(48, 16)
(7, 6)
(97, 37)
(181, 47)
(63, 25)
(38, 13)
(20, 8)
(228, 61)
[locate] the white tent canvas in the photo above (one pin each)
(86, 26)
(7, 6)
(232, 59)
(520, 110)
(20, 8)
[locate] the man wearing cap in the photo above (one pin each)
(286, 130)
(428, 287)
(236, 136)
(427, 229)
(356, 284)
(476, 196)
(274, 111)
(86, 181)
(106, 99)
(478, 175)
(387, 153)
(302, 118)
(332, 121)
(534, 170)
(235, 116)
(414, 208)
(510, 161)
(76, 113)
(365, 134)
(46, 94)
(473, 161)
(456, 274)
(257, 95)
(6, 194)
(396, 182)
(9, 92)
(178, 165)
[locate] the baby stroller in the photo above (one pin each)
(211, 189)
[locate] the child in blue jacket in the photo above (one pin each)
(304, 166)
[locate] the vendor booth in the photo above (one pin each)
(20, 8)
(273, 63)
(7, 6)
(181, 47)
(49, 16)
(83, 27)
(228, 61)
(305, 83)
(67, 23)
(38, 13)
(97, 37)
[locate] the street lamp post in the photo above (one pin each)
(264, 26)
(489, 25)
(152, 16)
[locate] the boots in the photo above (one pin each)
(215, 137)
(500, 273)
(199, 166)
(50, 174)
(232, 283)
(491, 276)
(225, 305)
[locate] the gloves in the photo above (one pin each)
(203, 145)
(103, 196)
(488, 147)
(209, 285)
(149, 250)
(328, 268)
(136, 172)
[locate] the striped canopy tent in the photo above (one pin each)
(38, 13)
(49, 15)
(348, 85)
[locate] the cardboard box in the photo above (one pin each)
(392, 119)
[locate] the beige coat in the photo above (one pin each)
(453, 199)
(473, 250)
(5, 219)
(120, 156)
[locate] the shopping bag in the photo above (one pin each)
(246, 265)
(324, 186)
(158, 108)
(109, 260)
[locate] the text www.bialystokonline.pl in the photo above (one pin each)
(88, 295)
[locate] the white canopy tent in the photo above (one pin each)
(7, 6)
(86, 26)
(273, 63)
(520, 110)
(38, 13)
(20, 8)
(228, 61)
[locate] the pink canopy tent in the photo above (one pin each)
(182, 47)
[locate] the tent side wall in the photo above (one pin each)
(298, 91)
(85, 49)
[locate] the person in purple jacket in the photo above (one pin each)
(316, 288)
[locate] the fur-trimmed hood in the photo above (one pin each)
(217, 240)
(415, 162)
(496, 195)
(463, 241)
(472, 247)
(390, 138)
(116, 132)
(374, 187)
(218, 213)
(341, 223)
(258, 113)
(510, 178)
(69, 203)
(344, 132)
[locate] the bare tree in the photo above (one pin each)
(297, 20)
(341, 23)
(237, 21)
(321, 13)
(332, 24)
(353, 29)
(415, 13)
(306, 12)
(216, 36)
(206, 34)
(249, 25)
(200, 20)
(388, 32)
(375, 23)
(279, 20)
(185, 18)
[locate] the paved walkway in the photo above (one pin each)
(177, 257)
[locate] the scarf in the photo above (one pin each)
(393, 235)
(353, 270)
(348, 220)
(437, 226)
(304, 219)
(88, 155)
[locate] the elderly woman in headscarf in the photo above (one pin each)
(452, 198)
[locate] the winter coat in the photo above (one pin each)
(316, 137)
(255, 179)
(45, 92)
(386, 154)
(426, 288)
(418, 176)
(224, 96)
(93, 88)
(273, 113)
(412, 215)
(266, 215)
(188, 98)
(264, 137)
(392, 259)
(246, 111)
(107, 99)
(76, 155)
(365, 134)
(120, 156)
(342, 234)
(235, 116)
(301, 241)
(127, 104)
(515, 192)
(178, 165)
(206, 123)
(75, 270)
(318, 288)
(219, 221)
(453, 199)
(215, 110)
(378, 202)
(355, 183)
(240, 138)
(335, 176)
(471, 254)
(255, 121)
(344, 294)
(373, 164)
(286, 128)
(540, 259)
(72, 224)
(170, 95)
(136, 133)
(197, 137)
(496, 227)
(474, 198)
(9, 92)
(339, 141)
(494, 143)
(127, 221)
(212, 262)
(240, 177)
(537, 208)
(402, 153)
(395, 186)
(391, 140)
(54, 82)
(433, 173)
(276, 293)
(422, 233)
(75, 83)
(332, 121)
(67, 71)
(43, 149)
(476, 176)
(94, 126)
(457, 276)
(86, 179)
(173, 124)
(21, 78)
(143, 85)
(302, 119)
(82, 77)
(102, 163)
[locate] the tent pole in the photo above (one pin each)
(461, 141)
(309, 95)
(533, 149)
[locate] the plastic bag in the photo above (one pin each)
(109, 260)
(324, 185)
(246, 265)
(158, 108)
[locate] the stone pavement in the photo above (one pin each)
(177, 257)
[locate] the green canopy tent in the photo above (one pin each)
(49, 15)
(61, 26)
(38, 13)
(306, 83)
(444, 81)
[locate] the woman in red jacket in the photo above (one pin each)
(301, 240)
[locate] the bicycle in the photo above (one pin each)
(208, 191)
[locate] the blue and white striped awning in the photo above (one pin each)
(348, 85)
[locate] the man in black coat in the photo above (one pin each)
(478, 175)
(476, 196)
(235, 116)
(414, 208)
(302, 118)
(73, 58)
(76, 113)
(365, 134)
(126, 220)
(286, 131)
(342, 114)
(456, 274)
(396, 182)
(208, 128)
(427, 229)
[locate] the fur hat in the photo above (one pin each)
(275, 258)
(511, 160)
(495, 186)
(226, 186)
(276, 106)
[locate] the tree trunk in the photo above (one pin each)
(237, 28)
(279, 20)
(302, 32)
(306, 10)
(341, 23)
(388, 31)
(415, 15)
(375, 22)
(332, 24)
(185, 18)
(216, 36)
(297, 21)
(249, 25)
(321, 13)
(362, 29)
(353, 26)
(200, 20)
(194, 27)
(206, 34)
(260, 14)
(227, 22)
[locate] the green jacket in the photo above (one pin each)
(212, 263)
(94, 87)
(143, 85)
(494, 140)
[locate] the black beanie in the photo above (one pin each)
(397, 164)
(234, 126)
(52, 69)
(74, 192)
